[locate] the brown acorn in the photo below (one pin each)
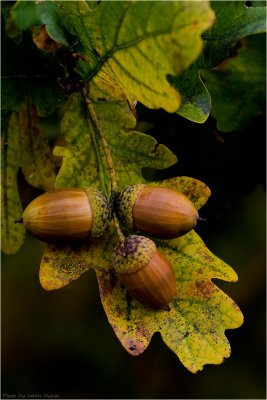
(158, 211)
(146, 273)
(64, 215)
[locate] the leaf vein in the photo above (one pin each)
(141, 83)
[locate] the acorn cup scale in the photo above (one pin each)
(161, 212)
(65, 215)
(146, 273)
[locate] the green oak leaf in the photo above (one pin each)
(12, 234)
(199, 314)
(238, 86)
(196, 102)
(147, 44)
(84, 162)
(234, 21)
(36, 164)
(133, 51)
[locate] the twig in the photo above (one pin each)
(98, 128)
(112, 174)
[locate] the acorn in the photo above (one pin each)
(160, 212)
(146, 273)
(65, 215)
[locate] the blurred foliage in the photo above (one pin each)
(36, 164)
(238, 85)
(12, 234)
(234, 21)
(21, 78)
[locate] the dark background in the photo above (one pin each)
(61, 343)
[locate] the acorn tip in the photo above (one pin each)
(199, 219)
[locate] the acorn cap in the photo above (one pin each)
(133, 254)
(101, 211)
(124, 204)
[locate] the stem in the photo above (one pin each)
(113, 180)
(98, 128)
(118, 228)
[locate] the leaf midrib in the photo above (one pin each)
(128, 45)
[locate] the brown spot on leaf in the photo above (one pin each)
(134, 347)
(107, 282)
(205, 288)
